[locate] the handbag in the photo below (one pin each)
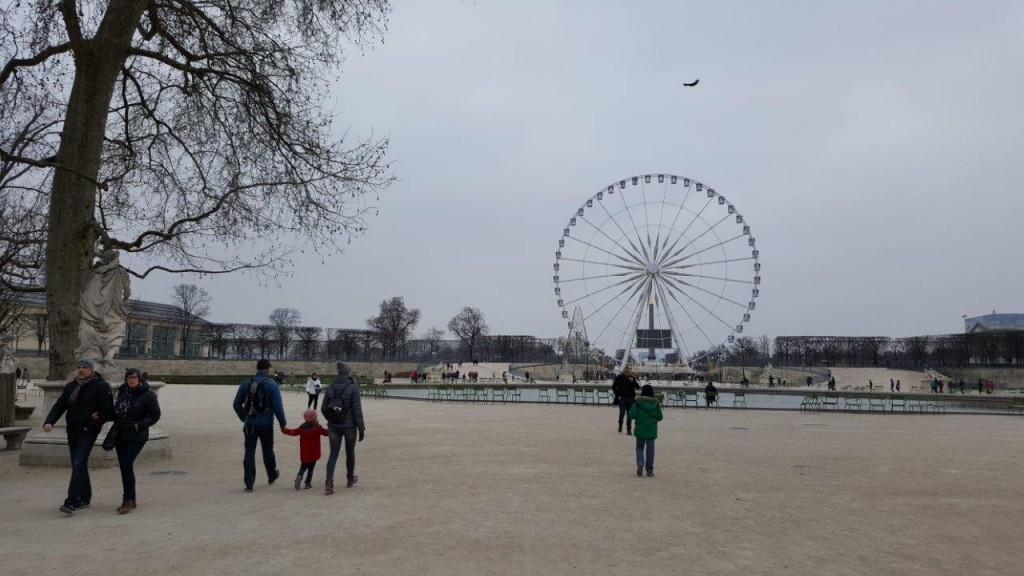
(111, 437)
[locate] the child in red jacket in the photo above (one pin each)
(309, 433)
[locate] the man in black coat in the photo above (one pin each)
(624, 388)
(88, 403)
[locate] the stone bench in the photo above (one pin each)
(15, 435)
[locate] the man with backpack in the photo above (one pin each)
(343, 410)
(257, 402)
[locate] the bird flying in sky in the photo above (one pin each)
(691, 84)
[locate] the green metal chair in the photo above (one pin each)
(561, 394)
(739, 400)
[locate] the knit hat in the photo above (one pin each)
(309, 415)
(647, 390)
(343, 369)
(87, 363)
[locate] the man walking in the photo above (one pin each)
(89, 403)
(257, 402)
(343, 410)
(624, 388)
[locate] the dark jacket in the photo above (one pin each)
(93, 398)
(143, 412)
(275, 406)
(344, 387)
(625, 386)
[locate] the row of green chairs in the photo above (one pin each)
(474, 394)
(373, 391)
(824, 402)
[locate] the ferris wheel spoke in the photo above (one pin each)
(682, 235)
(719, 296)
(581, 278)
(595, 247)
(634, 322)
(709, 263)
(628, 281)
(722, 278)
(680, 210)
(631, 221)
(712, 247)
(690, 316)
(611, 322)
(703, 307)
(647, 217)
(667, 309)
(613, 264)
(698, 237)
(635, 254)
(635, 290)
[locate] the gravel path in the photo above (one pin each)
(514, 489)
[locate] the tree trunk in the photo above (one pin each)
(71, 238)
(8, 396)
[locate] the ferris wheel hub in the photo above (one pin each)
(653, 268)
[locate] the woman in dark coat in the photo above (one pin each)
(136, 409)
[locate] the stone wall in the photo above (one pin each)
(1002, 377)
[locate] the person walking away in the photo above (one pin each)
(136, 409)
(710, 394)
(624, 389)
(309, 433)
(343, 410)
(897, 385)
(647, 413)
(257, 403)
(313, 390)
(892, 385)
(88, 403)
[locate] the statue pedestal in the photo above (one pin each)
(51, 449)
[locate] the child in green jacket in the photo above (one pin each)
(647, 413)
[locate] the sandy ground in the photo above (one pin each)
(517, 489)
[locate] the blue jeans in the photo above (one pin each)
(265, 436)
(625, 403)
(307, 467)
(80, 446)
(641, 444)
(335, 435)
(126, 455)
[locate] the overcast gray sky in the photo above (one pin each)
(874, 148)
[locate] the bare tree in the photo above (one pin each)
(37, 326)
(175, 128)
(193, 304)
(219, 337)
(433, 338)
(263, 336)
(284, 321)
(308, 341)
(243, 340)
(393, 324)
(468, 325)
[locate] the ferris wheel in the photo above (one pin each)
(658, 269)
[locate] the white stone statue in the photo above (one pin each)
(103, 310)
(6, 354)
